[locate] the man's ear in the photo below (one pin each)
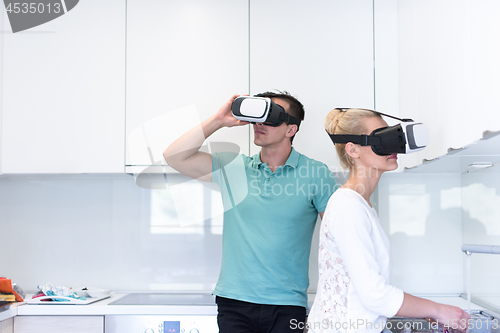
(352, 150)
(291, 130)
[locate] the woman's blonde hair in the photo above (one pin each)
(347, 121)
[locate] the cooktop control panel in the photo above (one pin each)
(161, 324)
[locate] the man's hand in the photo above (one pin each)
(224, 116)
(184, 154)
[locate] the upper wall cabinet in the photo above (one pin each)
(319, 51)
(64, 92)
(449, 73)
(185, 59)
(476, 156)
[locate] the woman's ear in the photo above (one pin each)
(352, 150)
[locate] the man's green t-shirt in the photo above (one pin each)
(269, 220)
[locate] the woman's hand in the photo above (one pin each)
(453, 317)
(446, 315)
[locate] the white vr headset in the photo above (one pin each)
(261, 110)
(404, 138)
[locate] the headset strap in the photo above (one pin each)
(363, 140)
(289, 119)
(404, 120)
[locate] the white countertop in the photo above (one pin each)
(10, 312)
(102, 308)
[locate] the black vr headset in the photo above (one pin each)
(261, 110)
(404, 138)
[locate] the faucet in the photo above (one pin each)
(473, 248)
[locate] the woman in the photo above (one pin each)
(354, 293)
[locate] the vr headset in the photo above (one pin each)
(261, 110)
(404, 138)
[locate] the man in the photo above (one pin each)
(267, 231)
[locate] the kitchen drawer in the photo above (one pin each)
(59, 324)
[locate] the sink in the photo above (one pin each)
(481, 322)
(398, 324)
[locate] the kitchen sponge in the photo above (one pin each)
(7, 298)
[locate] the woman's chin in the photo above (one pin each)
(390, 165)
(394, 165)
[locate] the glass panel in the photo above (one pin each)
(481, 225)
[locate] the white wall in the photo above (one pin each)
(386, 56)
(421, 214)
(448, 77)
(104, 231)
(428, 216)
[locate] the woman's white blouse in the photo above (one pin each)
(354, 292)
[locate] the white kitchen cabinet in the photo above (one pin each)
(59, 324)
(449, 74)
(319, 51)
(185, 59)
(7, 326)
(64, 93)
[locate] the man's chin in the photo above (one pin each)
(258, 142)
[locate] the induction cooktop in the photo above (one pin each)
(165, 299)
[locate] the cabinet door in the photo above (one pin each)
(319, 51)
(64, 92)
(449, 73)
(7, 326)
(185, 59)
(59, 324)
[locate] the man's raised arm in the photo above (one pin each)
(184, 154)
